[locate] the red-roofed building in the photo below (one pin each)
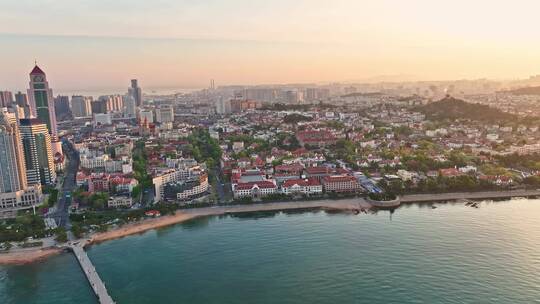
(341, 183)
(254, 189)
(317, 172)
(450, 172)
(316, 138)
(309, 186)
(294, 169)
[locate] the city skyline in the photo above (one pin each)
(184, 44)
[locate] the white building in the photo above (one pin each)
(165, 114)
(102, 119)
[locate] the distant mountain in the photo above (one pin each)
(452, 108)
(525, 91)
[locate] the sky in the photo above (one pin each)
(98, 44)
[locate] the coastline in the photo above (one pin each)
(188, 214)
(28, 256)
(348, 204)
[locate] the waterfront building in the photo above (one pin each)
(186, 190)
(302, 186)
(256, 189)
(124, 201)
(41, 100)
(38, 152)
(340, 183)
(182, 172)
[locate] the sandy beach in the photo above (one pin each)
(27, 256)
(139, 227)
(32, 255)
(188, 214)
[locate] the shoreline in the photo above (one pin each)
(188, 214)
(182, 215)
(28, 256)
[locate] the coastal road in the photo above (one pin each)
(69, 184)
(219, 185)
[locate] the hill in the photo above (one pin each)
(452, 108)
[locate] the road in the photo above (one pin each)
(220, 185)
(68, 186)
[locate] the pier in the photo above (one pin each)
(90, 272)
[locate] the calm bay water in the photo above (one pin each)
(452, 254)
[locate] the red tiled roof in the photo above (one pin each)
(317, 170)
(315, 136)
(339, 179)
(301, 182)
(251, 185)
(289, 168)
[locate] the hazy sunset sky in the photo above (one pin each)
(184, 43)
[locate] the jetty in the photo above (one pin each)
(90, 272)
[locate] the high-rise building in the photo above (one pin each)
(12, 166)
(165, 114)
(61, 106)
(6, 98)
(81, 106)
(146, 116)
(136, 92)
(21, 99)
(38, 152)
(41, 100)
(223, 106)
(15, 193)
(112, 103)
(99, 106)
(130, 107)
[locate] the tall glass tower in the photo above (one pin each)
(38, 153)
(41, 100)
(12, 166)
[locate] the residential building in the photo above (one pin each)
(81, 106)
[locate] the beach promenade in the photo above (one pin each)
(440, 197)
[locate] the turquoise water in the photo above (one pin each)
(452, 254)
